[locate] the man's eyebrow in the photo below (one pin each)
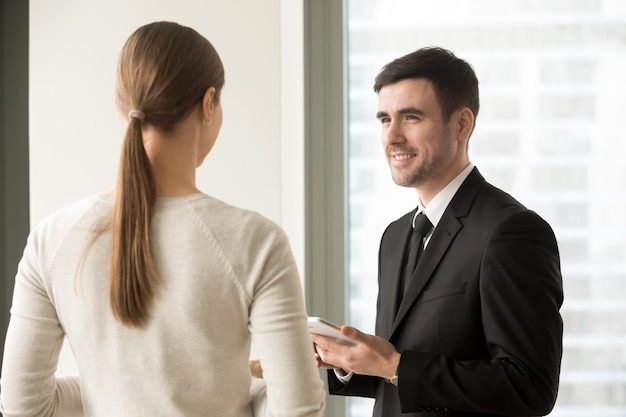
(406, 110)
(411, 110)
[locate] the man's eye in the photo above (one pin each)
(411, 117)
(384, 120)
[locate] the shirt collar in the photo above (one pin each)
(440, 202)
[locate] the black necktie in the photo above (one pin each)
(422, 227)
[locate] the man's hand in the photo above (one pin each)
(372, 355)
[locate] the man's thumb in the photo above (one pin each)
(351, 332)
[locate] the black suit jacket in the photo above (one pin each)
(479, 329)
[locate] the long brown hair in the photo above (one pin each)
(164, 71)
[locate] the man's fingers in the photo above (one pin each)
(322, 342)
(321, 364)
(352, 333)
(326, 354)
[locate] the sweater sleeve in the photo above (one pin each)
(281, 339)
(32, 347)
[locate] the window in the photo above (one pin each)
(551, 77)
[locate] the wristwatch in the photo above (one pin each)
(394, 379)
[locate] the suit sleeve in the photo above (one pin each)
(521, 293)
(359, 385)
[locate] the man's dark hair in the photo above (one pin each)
(453, 79)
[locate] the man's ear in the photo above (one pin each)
(464, 123)
(208, 104)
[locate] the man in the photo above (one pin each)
(475, 328)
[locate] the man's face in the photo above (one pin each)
(419, 146)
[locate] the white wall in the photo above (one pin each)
(75, 130)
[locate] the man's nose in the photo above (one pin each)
(393, 133)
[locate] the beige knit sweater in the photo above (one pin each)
(228, 280)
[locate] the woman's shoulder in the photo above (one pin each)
(90, 213)
(224, 215)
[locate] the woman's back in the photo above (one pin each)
(226, 278)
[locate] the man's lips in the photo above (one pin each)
(402, 156)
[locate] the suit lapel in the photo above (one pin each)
(390, 274)
(442, 237)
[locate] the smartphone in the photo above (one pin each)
(325, 328)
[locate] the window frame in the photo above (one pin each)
(14, 159)
(325, 167)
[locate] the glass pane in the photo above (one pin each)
(551, 76)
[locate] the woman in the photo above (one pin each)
(159, 288)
